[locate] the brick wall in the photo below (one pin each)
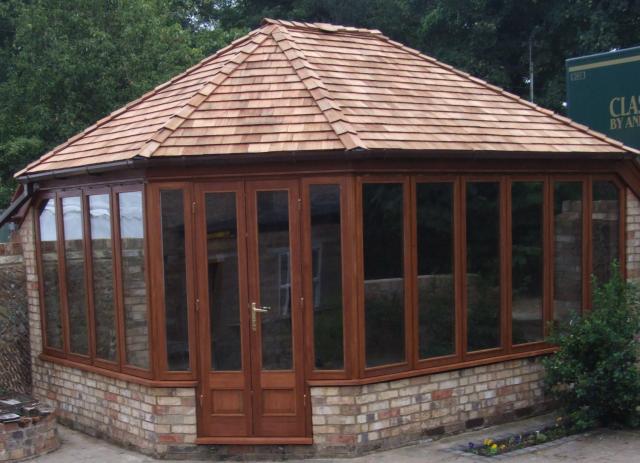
(633, 237)
(356, 419)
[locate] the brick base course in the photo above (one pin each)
(360, 419)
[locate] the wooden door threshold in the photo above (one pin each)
(254, 440)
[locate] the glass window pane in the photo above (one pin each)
(567, 213)
(175, 280)
(102, 264)
(326, 276)
(483, 265)
(436, 303)
(275, 279)
(49, 262)
(224, 290)
(382, 228)
(134, 285)
(75, 272)
(605, 216)
(526, 261)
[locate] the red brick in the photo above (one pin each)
(442, 394)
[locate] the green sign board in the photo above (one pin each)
(603, 93)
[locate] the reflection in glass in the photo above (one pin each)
(605, 216)
(75, 272)
(326, 276)
(102, 265)
(224, 305)
(483, 265)
(382, 228)
(49, 262)
(175, 280)
(567, 213)
(436, 304)
(526, 261)
(275, 279)
(134, 286)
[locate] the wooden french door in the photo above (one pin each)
(250, 312)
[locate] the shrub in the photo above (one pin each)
(594, 374)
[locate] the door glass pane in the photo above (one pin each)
(49, 262)
(483, 265)
(275, 279)
(224, 303)
(605, 216)
(75, 271)
(326, 275)
(175, 280)
(134, 285)
(382, 228)
(567, 213)
(436, 304)
(526, 261)
(102, 264)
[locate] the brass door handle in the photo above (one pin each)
(254, 310)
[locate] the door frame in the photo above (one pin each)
(248, 280)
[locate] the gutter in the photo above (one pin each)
(7, 215)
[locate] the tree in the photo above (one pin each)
(69, 63)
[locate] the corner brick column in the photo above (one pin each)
(633, 237)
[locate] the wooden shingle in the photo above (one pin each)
(292, 86)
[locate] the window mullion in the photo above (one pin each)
(88, 275)
(117, 275)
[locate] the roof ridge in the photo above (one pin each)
(137, 101)
(512, 96)
(324, 27)
(307, 74)
(175, 121)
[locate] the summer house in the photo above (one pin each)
(316, 238)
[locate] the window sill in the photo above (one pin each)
(118, 375)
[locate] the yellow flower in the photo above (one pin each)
(488, 442)
(494, 446)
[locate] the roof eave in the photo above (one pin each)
(344, 155)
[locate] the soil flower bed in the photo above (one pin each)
(491, 447)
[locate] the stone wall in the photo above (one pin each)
(15, 371)
(28, 438)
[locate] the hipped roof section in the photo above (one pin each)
(294, 87)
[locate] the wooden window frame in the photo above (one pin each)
(503, 349)
(349, 312)
(156, 271)
(351, 186)
(547, 243)
(456, 357)
(43, 317)
(96, 361)
(409, 360)
(151, 316)
(80, 358)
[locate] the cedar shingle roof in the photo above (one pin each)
(291, 86)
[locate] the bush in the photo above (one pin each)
(594, 375)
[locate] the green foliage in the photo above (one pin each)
(66, 63)
(594, 375)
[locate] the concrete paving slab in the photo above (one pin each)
(603, 446)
